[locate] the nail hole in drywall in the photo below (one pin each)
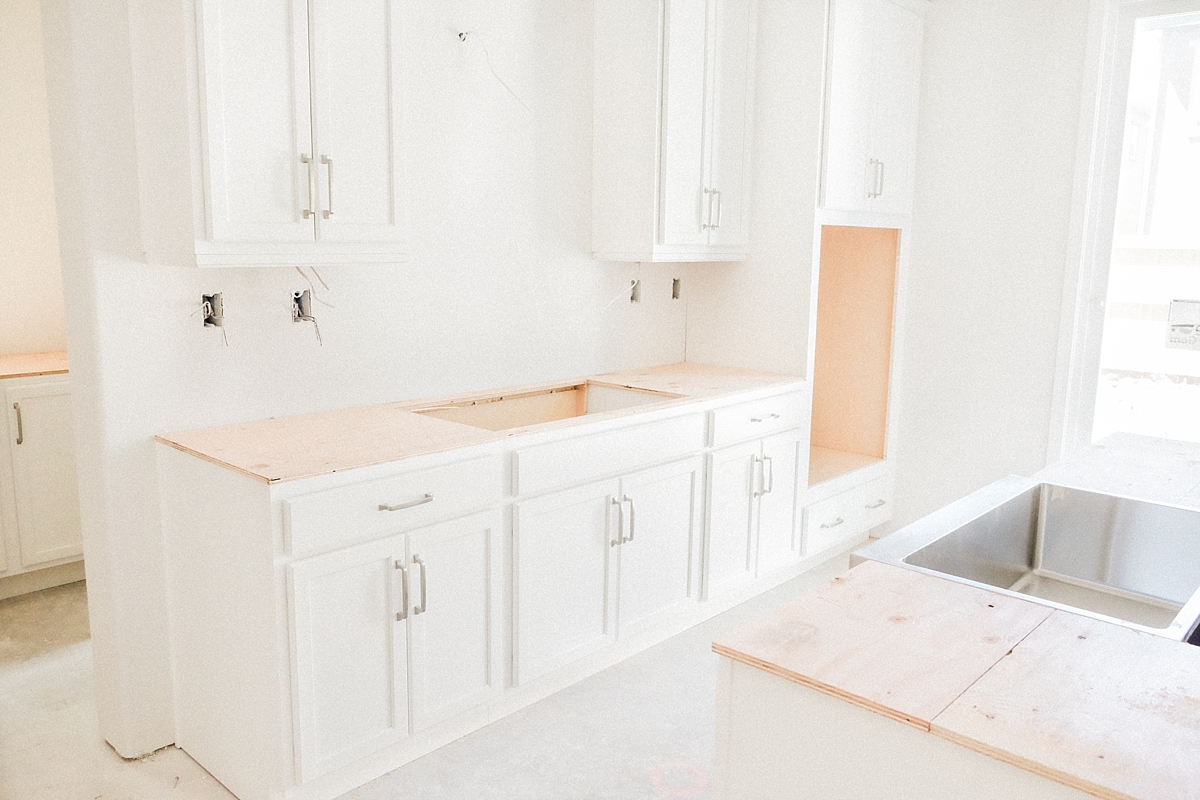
(635, 291)
(675, 283)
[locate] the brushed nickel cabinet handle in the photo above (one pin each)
(20, 424)
(424, 584)
(876, 504)
(428, 498)
(764, 419)
(312, 203)
(620, 522)
(833, 524)
(769, 479)
(402, 614)
(632, 518)
(328, 162)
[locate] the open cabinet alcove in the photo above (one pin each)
(852, 364)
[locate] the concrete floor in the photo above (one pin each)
(640, 729)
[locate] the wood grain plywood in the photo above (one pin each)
(1108, 710)
(851, 371)
(891, 640)
(696, 381)
(318, 444)
(29, 364)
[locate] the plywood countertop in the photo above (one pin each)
(290, 448)
(28, 365)
(1099, 707)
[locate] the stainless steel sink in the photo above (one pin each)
(1124, 560)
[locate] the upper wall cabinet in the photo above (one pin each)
(294, 134)
(674, 85)
(871, 105)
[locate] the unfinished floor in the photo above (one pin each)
(640, 729)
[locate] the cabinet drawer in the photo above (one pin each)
(583, 458)
(847, 515)
(759, 418)
(354, 513)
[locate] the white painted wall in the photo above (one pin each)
(31, 307)
(1000, 107)
(754, 314)
(500, 289)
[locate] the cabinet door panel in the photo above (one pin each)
(682, 203)
(897, 50)
(256, 119)
(778, 536)
(456, 637)
(733, 476)
(563, 562)
(848, 107)
(656, 564)
(350, 652)
(732, 102)
(357, 85)
(44, 474)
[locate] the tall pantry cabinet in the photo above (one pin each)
(270, 132)
(861, 235)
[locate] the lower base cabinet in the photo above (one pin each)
(752, 508)
(392, 636)
(602, 560)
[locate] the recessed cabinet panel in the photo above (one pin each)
(784, 458)
(256, 119)
(563, 584)
(456, 638)
(661, 526)
(683, 140)
(350, 654)
(731, 126)
(358, 171)
(733, 482)
(899, 32)
(42, 445)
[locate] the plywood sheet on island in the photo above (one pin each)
(1108, 710)
(890, 640)
(26, 365)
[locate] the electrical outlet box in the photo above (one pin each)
(1183, 325)
(301, 305)
(213, 307)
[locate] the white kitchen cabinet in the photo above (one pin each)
(674, 88)
(603, 561)
(871, 105)
(43, 488)
(753, 493)
(403, 628)
(296, 153)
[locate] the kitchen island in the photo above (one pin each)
(889, 683)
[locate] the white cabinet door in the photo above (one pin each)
(683, 202)
(898, 36)
(732, 104)
(733, 482)
(784, 465)
(455, 622)
(871, 106)
(256, 119)
(565, 555)
(661, 522)
(42, 445)
(350, 654)
(357, 102)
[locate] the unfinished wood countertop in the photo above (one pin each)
(1105, 709)
(27, 365)
(290, 448)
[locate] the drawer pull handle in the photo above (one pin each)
(764, 419)
(833, 524)
(20, 425)
(632, 519)
(424, 583)
(403, 613)
(428, 498)
(877, 503)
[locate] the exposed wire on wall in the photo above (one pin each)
(463, 36)
(629, 291)
(212, 312)
(315, 295)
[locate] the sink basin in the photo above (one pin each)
(1127, 561)
(523, 409)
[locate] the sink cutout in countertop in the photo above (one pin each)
(504, 412)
